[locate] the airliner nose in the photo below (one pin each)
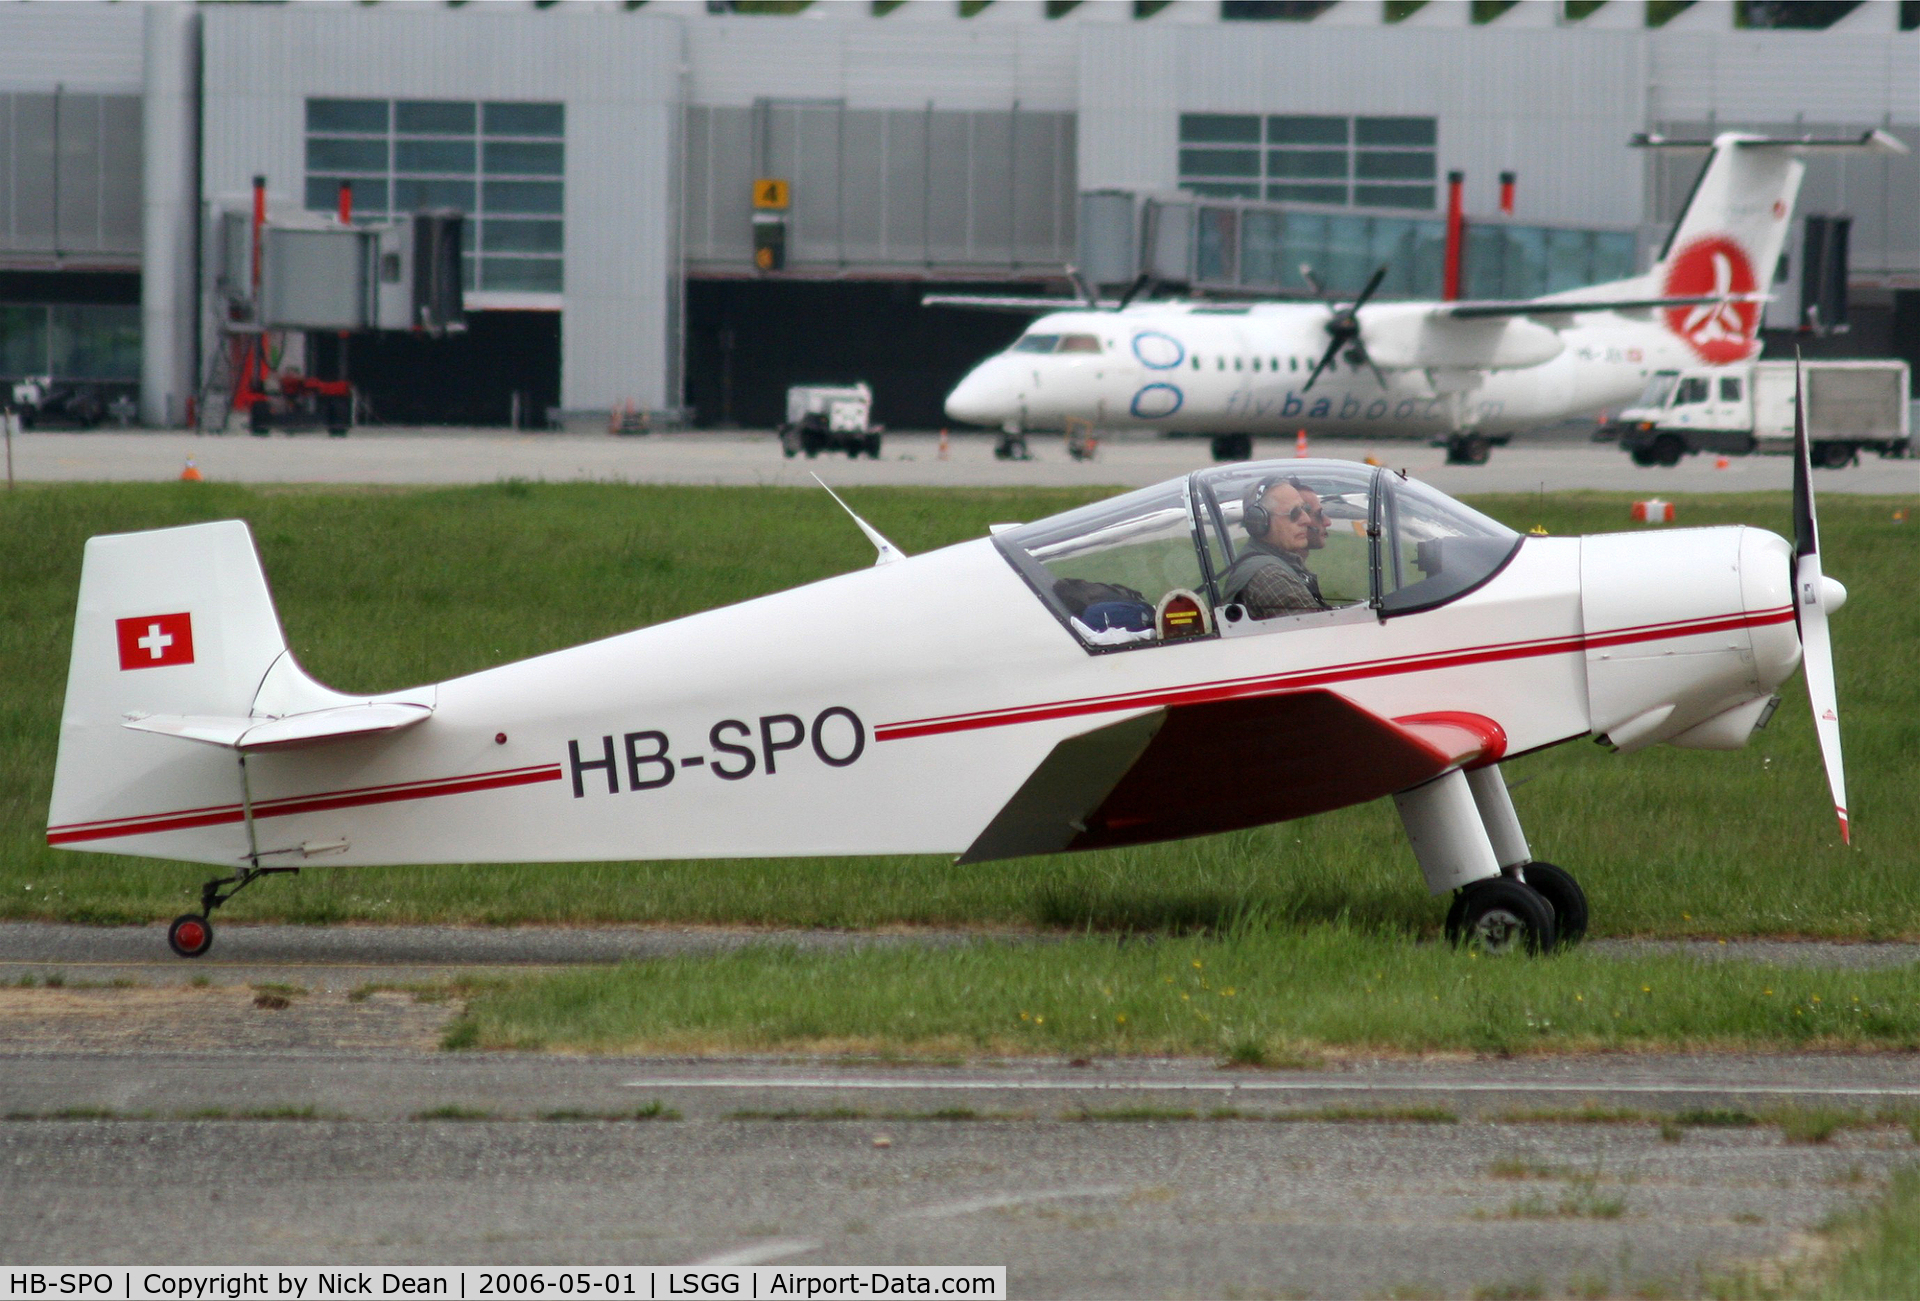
(982, 398)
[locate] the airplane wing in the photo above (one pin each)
(295, 729)
(1191, 770)
(1483, 309)
(1036, 305)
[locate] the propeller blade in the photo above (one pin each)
(1368, 358)
(1372, 284)
(1326, 359)
(1140, 282)
(1811, 597)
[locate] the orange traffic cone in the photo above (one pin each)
(191, 474)
(1721, 463)
(943, 444)
(1300, 443)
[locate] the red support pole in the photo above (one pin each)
(259, 220)
(1506, 192)
(346, 203)
(1456, 236)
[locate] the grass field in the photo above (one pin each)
(381, 589)
(1257, 995)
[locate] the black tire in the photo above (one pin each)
(1468, 449)
(1564, 895)
(1643, 456)
(1501, 916)
(1834, 456)
(260, 418)
(190, 935)
(1668, 449)
(873, 447)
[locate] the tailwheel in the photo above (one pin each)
(190, 935)
(1564, 895)
(1500, 916)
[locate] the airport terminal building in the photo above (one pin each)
(681, 209)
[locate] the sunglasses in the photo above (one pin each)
(1300, 515)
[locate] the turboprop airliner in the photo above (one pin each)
(1467, 373)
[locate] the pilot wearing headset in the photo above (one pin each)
(1284, 521)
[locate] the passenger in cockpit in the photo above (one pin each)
(1284, 520)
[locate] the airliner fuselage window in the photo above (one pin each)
(1079, 343)
(1036, 343)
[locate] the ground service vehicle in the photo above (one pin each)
(828, 418)
(1854, 405)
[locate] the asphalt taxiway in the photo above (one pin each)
(286, 1100)
(749, 458)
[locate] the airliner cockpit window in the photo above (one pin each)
(1079, 343)
(1433, 548)
(1287, 537)
(1120, 574)
(1036, 343)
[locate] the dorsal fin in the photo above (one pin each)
(888, 552)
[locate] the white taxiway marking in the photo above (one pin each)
(756, 1253)
(1283, 1086)
(947, 1210)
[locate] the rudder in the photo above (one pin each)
(173, 621)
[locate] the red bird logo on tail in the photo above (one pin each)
(1719, 333)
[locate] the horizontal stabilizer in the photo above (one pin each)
(1875, 141)
(311, 728)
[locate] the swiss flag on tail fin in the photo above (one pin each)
(154, 641)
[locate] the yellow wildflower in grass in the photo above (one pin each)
(1196, 964)
(1227, 992)
(1121, 1019)
(1646, 989)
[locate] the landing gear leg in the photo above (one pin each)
(192, 933)
(1492, 911)
(1554, 884)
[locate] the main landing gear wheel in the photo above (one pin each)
(1468, 449)
(1499, 916)
(190, 935)
(1564, 895)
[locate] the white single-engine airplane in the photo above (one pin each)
(1244, 645)
(1471, 373)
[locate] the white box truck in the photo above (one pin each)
(830, 418)
(1851, 406)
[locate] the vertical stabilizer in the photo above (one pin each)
(175, 621)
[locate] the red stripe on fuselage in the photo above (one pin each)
(1236, 688)
(112, 828)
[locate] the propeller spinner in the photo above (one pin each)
(1814, 595)
(1343, 326)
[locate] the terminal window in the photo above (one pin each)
(501, 163)
(1368, 162)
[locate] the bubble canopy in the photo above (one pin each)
(1158, 565)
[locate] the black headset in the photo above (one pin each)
(1255, 518)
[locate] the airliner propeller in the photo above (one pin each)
(1814, 595)
(1343, 326)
